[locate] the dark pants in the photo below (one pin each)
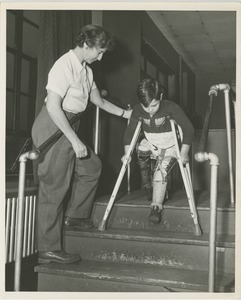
(57, 169)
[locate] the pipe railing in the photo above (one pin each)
(226, 89)
(202, 156)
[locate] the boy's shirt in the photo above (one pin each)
(158, 126)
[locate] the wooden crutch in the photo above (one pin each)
(186, 176)
(103, 223)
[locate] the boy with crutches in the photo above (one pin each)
(158, 141)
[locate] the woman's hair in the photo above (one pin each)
(147, 90)
(94, 35)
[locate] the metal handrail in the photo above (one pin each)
(202, 156)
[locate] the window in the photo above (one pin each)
(152, 65)
(22, 45)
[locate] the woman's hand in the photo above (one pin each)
(79, 148)
(127, 114)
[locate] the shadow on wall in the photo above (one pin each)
(116, 59)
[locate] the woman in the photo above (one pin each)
(69, 161)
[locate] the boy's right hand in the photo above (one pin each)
(123, 159)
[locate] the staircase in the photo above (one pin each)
(133, 255)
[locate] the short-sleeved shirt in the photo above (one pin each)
(71, 80)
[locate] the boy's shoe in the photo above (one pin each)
(155, 215)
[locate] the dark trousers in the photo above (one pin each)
(58, 169)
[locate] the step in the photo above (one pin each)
(89, 276)
(132, 211)
(170, 249)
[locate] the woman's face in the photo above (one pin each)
(93, 54)
(153, 107)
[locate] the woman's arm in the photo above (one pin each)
(96, 98)
(54, 107)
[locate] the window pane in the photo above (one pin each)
(30, 40)
(151, 70)
(10, 70)
(10, 29)
(32, 15)
(142, 63)
(162, 79)
(25, 76)
(9, 110)
(23, 117)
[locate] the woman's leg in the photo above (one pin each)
(54, 169)
(85, 182)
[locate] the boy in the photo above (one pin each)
(157, 141)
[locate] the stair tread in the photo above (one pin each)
(153, 236)
(135, 273)
(178, 200)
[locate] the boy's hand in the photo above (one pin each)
(124, 158)
(184, 154)
(184, 158)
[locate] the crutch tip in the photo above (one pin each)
(102, 225)
(197, 230)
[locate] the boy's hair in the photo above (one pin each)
(94, 35)
(147, 90)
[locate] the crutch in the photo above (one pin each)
(102, 225)
(186, 176)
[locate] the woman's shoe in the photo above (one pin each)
(80, 223)
(59, 256)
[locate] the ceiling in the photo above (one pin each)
(205, 39)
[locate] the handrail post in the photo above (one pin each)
(226, 88)
(19, 223)
(97, 126)
(214, 162)
(228, 127)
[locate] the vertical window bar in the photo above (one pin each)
(12, 229)
(33, 230)
(17, 69)
(25, 232)
(30, 225)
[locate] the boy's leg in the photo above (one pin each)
(159, 186)
(144, 160)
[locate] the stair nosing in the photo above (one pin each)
(114, 234)
(58, 269)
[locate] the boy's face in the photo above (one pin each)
(153, 107)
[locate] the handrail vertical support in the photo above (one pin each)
(97, 125)
(214, 162)
(19, 223)
(230, 161)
